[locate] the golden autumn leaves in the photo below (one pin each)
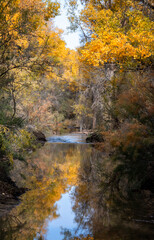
(121, 35)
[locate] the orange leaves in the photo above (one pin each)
(130, 135)
(51, 10)
(47, 8)
(124, 36)
(31, 4)
(108, 49)
(137, 102)
(70, 73)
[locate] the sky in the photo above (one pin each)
(65, 219)
(61, 21)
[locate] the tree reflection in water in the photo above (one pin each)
(49, 174)
(101, 212)
(107, 213)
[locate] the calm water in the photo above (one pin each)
(67, 200)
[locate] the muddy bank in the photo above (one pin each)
(9, 192)
(9, 196)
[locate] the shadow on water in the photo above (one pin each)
(67, 200)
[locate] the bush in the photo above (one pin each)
(131, 145)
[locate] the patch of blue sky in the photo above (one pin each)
(72, 39)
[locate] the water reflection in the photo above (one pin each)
(108, 214)
(65, 219)
(51, 172)
(48, 211)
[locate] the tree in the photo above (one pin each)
(22, 36)
(29, 49)
(120, 35)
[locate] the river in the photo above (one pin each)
(66, 199)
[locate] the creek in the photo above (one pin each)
(65, 200)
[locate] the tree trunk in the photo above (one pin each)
(81, 126)
(94, 121)
(14, 104)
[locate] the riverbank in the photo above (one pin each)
(9, 191)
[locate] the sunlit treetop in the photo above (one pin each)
(28, 40)
(122, 34)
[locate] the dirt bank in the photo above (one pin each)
(9, 192)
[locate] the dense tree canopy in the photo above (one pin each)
(105, 85)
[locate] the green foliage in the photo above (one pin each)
(14, 143)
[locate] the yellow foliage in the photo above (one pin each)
(123, 35)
